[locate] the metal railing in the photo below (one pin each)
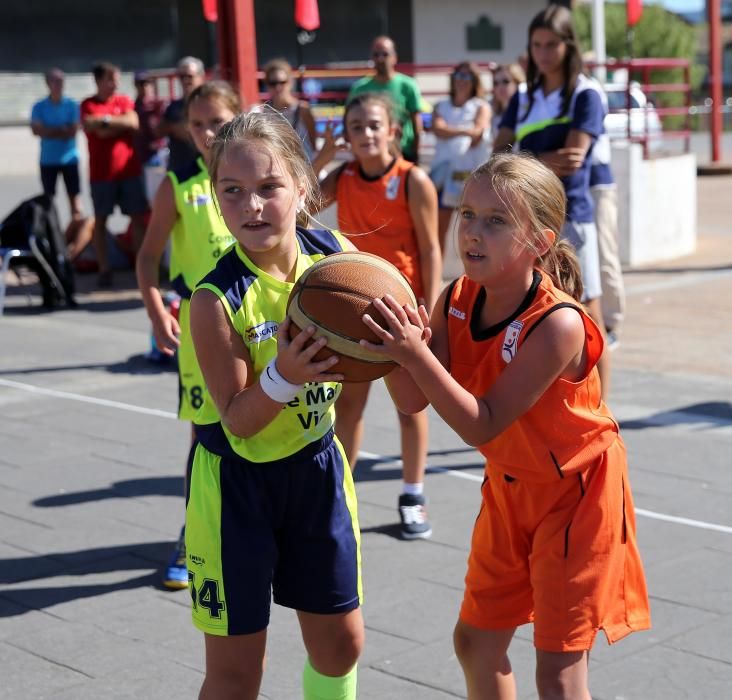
(311, 83)
(640, 72)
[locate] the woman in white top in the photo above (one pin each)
(461, 125)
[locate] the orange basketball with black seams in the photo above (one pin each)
(333, 295)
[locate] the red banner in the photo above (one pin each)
(210, 10)
(307, 16)
(634, 10)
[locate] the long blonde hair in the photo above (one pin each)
(534, 195)
(275, 132)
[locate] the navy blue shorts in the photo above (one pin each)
(70, 174)
(129, 194)
(286, 530)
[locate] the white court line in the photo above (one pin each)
(368, 455)
(726, 529)
(87, 399)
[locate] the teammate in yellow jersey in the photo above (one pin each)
(184, 212)
(271, 507)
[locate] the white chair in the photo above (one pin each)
(33, 252)
(7, 254)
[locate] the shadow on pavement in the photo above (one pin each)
(104, 305)
(24, 600)
(130, 488)
(135, 364)
(98, 560)
(392, 530)
(367, 468)
(710, 412)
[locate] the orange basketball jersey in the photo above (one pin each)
(569, 427)
(374, 213)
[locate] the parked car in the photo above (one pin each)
(644, 120)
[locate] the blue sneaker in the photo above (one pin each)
(176, 573)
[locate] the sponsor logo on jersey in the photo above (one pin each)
(392, 187)
(510, 340)
(199, 200)
(456, 313)
(256, 334)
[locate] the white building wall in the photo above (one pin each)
(439, 28)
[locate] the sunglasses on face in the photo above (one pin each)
(275, 83)
(462, 76)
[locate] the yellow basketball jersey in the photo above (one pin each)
(256, 304)
(199, 236)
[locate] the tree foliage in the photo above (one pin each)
(658, 34)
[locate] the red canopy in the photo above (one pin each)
(307, 16)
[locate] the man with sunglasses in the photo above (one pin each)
(402, 89)
(191, 74)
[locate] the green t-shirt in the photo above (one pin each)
(407, 99)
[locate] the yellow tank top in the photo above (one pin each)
(199, 236)
(256, 304)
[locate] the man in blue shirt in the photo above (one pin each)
(56, 119)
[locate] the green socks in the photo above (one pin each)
(316, 686)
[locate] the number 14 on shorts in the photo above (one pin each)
(206, 596)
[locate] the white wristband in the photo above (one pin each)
(276, 386)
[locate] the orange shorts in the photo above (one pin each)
(562, 555)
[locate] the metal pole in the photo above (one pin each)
(715, 76)
(238, 48)
(598, 40)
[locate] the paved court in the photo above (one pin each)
(90, 503)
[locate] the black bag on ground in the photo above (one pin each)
(34, 226)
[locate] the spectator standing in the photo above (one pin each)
(278, 80)
(558, 119)
(148, 140)
(110, 123)
(191, 74)
(55, 119)
(150, 110)
(460, 124)
(403, 90)
(604, 192)
(508, 79)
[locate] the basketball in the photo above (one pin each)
(333, 295)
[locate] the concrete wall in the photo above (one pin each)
(440, 28)
(656, 205)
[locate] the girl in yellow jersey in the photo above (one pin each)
(271, 509)
(184, 212)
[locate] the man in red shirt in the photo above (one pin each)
(110, 123)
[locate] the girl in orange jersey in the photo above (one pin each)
(509, 361)
(389, 207)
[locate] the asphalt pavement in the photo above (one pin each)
(91, 461)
